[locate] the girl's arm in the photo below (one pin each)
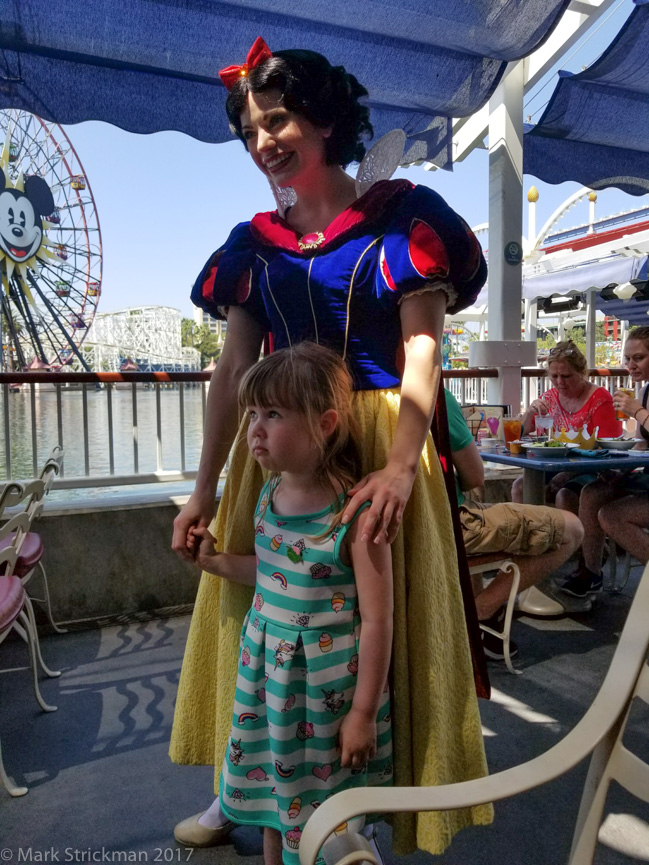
(240, 350)
(238, 569)
(422, 323)
(372, 564)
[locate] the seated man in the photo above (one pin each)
(538, 539)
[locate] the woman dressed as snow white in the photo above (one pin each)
(370, 273)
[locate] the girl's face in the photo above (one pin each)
(566, 379)
(285, 146)
(636, 357)
(279, 439)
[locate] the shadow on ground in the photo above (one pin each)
(101, 786)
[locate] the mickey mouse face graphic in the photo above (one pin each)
(21, 227)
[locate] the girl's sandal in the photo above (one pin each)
(191, 833)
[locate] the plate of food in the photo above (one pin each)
(549, 449)
(617, 444)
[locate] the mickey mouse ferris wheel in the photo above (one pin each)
(50, 246)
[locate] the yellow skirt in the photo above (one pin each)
(436, 723)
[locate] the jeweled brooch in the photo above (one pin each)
(311, 241)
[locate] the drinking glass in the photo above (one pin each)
(620, 415)
(544, 424)
(511, 429)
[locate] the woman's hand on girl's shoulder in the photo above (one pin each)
(388, 490)
(356, 739)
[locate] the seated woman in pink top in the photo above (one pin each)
(573, 402)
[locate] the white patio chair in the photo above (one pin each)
(15, 615)
(31, 550)
(612, 585)
(600, 733)
(15, 535)
(480, 564)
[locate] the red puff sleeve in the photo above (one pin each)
(428, 246)
(229, 278)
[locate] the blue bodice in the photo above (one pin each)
(342, 288)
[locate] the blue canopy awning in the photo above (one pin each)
(636, 312)
(595, 128)
(149, 65)
(584, 277)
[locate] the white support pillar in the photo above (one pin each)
(506, 206)
(508, 356)
(591, 329)
(624, 330)
(531, 321)
(506, 228)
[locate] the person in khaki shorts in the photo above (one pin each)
(538, 538)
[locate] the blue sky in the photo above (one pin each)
(166, 201)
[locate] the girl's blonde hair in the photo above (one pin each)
(640, 333)
(569, 352)
(311, 380)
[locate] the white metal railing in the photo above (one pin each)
(117, 428)
(467, 391)
(142, 428)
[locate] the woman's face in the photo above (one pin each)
(285, 146)
(566, 379)
(636, 357)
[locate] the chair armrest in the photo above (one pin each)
(611, 702)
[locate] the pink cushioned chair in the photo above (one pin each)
(30, 549)
(16, 614)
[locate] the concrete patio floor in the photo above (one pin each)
(101, 784)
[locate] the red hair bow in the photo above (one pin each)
(259, 53)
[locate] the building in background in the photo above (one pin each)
(215, 325)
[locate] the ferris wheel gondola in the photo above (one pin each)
(50, 245)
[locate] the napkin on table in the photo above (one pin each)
(599, 453)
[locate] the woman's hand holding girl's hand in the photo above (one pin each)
(625, 403)
(388, 490)
(198, 512)
(357, 739)
(202, 542)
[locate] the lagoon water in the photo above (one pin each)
(20, 424)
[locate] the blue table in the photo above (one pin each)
(535, 467)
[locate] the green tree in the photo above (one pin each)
(187, 329)
(207, 343)
(199, 336)
(578, 336)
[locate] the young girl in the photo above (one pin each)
(312, 710)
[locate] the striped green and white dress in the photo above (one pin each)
(297, 674)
